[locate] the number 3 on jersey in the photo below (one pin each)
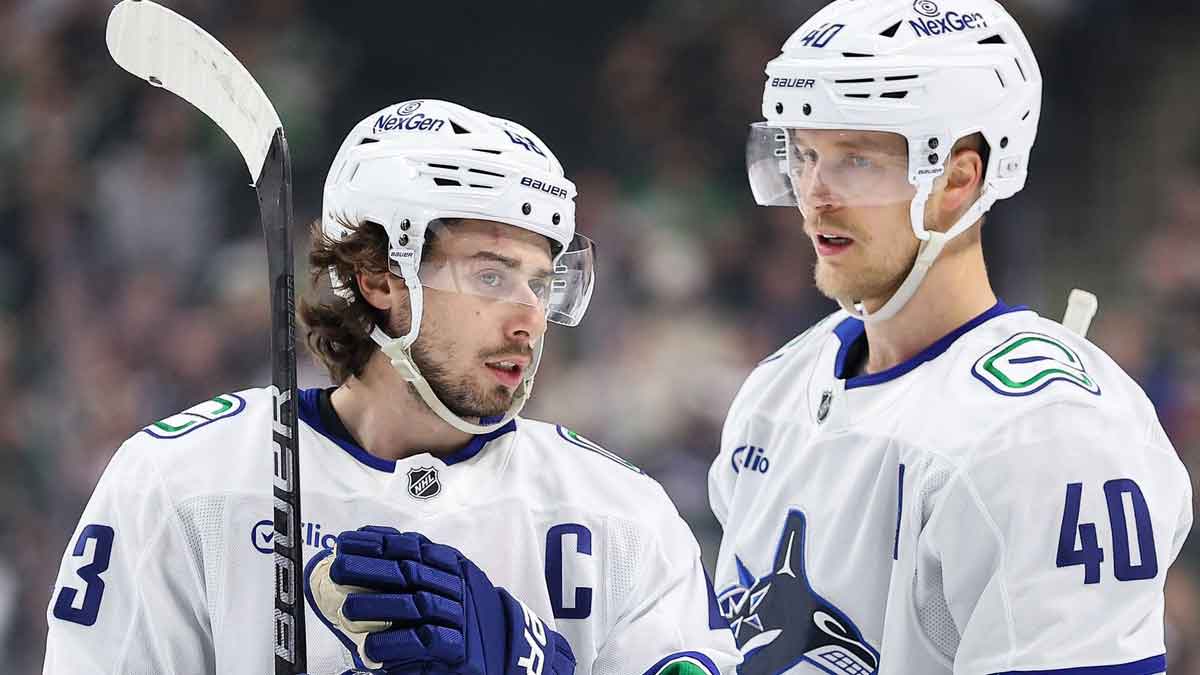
(1089, 554)
(93, 591)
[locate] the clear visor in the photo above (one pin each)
(827, 168)
(517, 269)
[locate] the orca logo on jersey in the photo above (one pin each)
(779, 622)
(1027, 363)
(423, 482)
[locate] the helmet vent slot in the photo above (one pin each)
(368, 140)
(858, 96)
(486, 187)
(1020, 69)
(893, 94)
(490, 152)
(1000, 77)
(486, 173)
(443, 166)
(860, 80)
(897, 78)
(890, 32)
(446, 182)
(458, 129)
(1026, 115)
(856, 55)
(993, 40)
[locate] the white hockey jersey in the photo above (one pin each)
(1005, 502)
(169, 570)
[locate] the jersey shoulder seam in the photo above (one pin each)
(814, 331)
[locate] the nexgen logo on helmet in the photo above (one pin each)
(950, 23)
(895, 84)
(418, 122)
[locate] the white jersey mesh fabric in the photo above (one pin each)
(933, 613)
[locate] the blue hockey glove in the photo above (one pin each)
(403, 604)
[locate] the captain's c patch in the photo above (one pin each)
(1026, 363)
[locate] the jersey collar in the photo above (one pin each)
(316, 412)
(851, 331)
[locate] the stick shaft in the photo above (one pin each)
(275, 206)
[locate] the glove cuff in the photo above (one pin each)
(534, 648)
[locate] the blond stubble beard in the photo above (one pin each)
(871, 282)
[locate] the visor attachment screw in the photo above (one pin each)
(933, 144)
(807, 109)
(1004, 142)
(405, 224)
(403, 240)
(556, 219)
(526, 208)
(778, 108)
(933, 158)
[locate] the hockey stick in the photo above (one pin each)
(168, 51)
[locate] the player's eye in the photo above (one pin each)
(491, 279)
(859, 162)
(541, 288)
(806, 155)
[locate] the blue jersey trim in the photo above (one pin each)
(479, 441)
(678, 656)
(307, 411)
(1150, 666)
(851, 330)
(899, 512)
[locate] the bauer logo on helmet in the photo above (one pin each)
(793, 82)
(543, 186)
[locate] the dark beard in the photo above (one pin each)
(461, 396)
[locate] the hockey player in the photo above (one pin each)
(930, 481)
(449, 237)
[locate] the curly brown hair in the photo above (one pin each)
(337, 329)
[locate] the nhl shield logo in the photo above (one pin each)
(423, 482)
(823, 408)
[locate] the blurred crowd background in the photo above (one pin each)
(133, 277)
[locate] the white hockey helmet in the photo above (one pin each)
(931, 72)
(416, 163)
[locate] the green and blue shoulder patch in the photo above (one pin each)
(1027, 363)
(197, 416)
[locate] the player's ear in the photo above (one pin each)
(963, 179)
(377, 288)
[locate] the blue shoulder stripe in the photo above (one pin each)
(684, 663)
(1150, 666)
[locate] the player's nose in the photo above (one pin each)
(819, 194)
(525, 321)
